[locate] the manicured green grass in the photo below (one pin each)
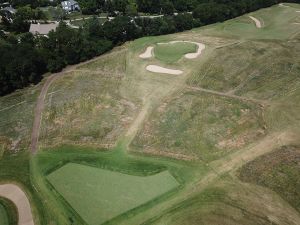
(3, 215)
(99, 195)
(8, 212)
(50, 160)
(171, 53)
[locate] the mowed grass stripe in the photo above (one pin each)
(3, 216)
(99, 195)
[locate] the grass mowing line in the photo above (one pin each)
(3, 215)
(8, 212)
(101, 195)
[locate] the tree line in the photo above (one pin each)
(25, 58)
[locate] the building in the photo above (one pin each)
(42, 29)
(70, 6)
(4, 4)
(8, 12)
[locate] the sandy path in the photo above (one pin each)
(147, 54)
(194, 55)
(257, 22)
(38, 112)
(262, 102)
(160, 69)
(135, 126)
(19, 198)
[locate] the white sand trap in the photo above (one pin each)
(282, 5)
(159, 69)
(257, 22)
(18, 197)
(201, 47)
(147, 54)
(298, 11)
(193, 55)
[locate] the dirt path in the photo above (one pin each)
(19, 198)
(133, 129)
(38, 112)
(229, 95)
(257, 22)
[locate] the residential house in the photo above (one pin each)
(8, 12)
(70, 6)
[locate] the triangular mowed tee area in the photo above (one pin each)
(99, 195)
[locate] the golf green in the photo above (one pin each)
(172, 52)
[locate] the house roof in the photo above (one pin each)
(42, 29)
(10, 9)
(70, 5)
(69, 2)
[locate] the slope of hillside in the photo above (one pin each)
(231, 107)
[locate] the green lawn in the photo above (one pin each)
(171, 53)
(86, 20)
(8, 212)
(3, 216)
(99, 195)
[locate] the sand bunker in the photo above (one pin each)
(159, 69)
(282, 5)
(147, 54)
(194, 55)
(257, 22)
(18, 197)
(201, 47)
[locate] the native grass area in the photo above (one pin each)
(193, 146)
